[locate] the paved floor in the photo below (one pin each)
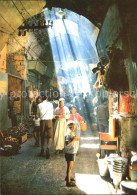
(28, 174)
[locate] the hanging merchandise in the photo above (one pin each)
(125, 104)
(99, 82)
(112, 127)
(116, 78)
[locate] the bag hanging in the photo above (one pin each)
(83, 126)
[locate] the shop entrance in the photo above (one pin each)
(15, 85)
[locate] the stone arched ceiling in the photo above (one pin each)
(94, 10)
(14, 13)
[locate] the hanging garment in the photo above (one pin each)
(125, 104)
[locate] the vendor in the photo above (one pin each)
(11, 113)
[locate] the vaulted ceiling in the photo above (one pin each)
(14, 13)
(94, 10)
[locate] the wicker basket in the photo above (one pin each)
(83, 126)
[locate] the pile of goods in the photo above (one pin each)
(118, 168)
(9, 145)
(16, 132)
(122, 171)
(12, 138)
(25, 123)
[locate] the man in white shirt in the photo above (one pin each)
(45, 110)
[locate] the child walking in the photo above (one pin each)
(36, 131)
(70, 151)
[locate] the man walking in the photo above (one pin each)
(103, 116)
(45, 110)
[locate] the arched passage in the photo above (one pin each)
(72, 40)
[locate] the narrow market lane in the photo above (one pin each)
(28, 174)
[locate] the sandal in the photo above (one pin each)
(70, 184)
(57, 152)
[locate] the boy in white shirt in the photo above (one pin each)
(70, 152)
(36, 131)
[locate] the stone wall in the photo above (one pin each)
(128, 137)
(5, 122)
(3, 59)
(15, 85)
(16, 65)
(11, 18)
(116, 30)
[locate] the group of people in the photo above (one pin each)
(60, 122)
(43, 123)
(66, 131)
(84, 105)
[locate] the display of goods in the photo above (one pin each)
(10, 148)
(16, 132)
(11, 139)
(118, 168)
(24, 120)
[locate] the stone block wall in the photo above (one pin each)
(5, 122)
(3, 59)
(128, 137)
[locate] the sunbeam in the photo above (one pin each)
(89, 138)
(73, 49)
(89, 146)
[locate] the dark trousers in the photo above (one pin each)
(46, 126)
(13, 118)
(103, 125)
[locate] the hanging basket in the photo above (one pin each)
(83, 126)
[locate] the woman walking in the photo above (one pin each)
(61, 114)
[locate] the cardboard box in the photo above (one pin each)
(23, 138)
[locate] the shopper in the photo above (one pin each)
(61, 114)
(70, 151)
(45, 110)
(35, 105)
(103, 116)
(36, 130)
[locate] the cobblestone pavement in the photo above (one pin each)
(28, 174)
